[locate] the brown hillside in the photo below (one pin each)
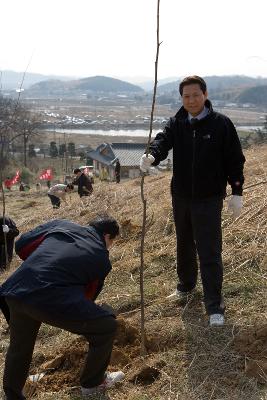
(187, 360)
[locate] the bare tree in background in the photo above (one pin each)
(26, 128)
(7, 107)
(17, 126)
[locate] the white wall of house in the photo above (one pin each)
(134, 173)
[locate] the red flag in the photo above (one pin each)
(46, 175)
(15, 179)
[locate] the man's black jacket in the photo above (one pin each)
(84, 184)
(13, 230)
(206, 155)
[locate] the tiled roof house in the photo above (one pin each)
(105, 156)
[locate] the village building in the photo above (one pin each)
(106, 155)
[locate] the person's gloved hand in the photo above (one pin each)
(5, 228)
(235, 204)
(146, 161)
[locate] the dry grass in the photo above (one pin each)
(194, 361)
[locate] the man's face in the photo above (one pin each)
(109, 242)
(193, 99)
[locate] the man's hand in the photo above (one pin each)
(235, 204)
(5, 228)
(146, 161)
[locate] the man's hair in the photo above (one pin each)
(190, 80)
(70, 186)
(106, 225)
(76, 170)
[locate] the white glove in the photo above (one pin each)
(5, 228)
(146, 161)
(235, 204)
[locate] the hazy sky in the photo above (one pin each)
(118, 37)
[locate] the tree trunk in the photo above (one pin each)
(24, 150)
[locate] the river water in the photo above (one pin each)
(129, 132)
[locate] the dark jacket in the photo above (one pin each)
(84, 184)
(13, 230)
(10, 236)
(55, 276)
(206, 155)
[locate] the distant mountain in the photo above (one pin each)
(87, 86)
(217, 84)
(255, 95)
(237, 88)
(148, 84)
(106, 84)
(11, 80)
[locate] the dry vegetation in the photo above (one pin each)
(186, 359)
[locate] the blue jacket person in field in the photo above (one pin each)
(206, 156)
(64, 268)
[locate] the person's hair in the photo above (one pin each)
(70, 186)
(190, 80)
(76, 170)
(106, 224)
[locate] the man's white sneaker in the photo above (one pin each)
(110, 379)
(216, 319)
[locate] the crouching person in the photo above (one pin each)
(58, 192)
(58, 285)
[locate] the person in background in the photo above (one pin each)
(21, 187)
(118, 171)
(206, 155)
(8, 183)
(85, 187)
(9, 229)
(48, 184)
(58, 192)
(57, 284)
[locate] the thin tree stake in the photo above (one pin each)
(4, 216)
(143, 347)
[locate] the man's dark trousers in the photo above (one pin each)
(24, 324)
(10, 247)
(198, 230)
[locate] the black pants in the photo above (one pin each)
(24, 324)
(54, 200)
(198, 230)
(85, 194)
(4, 308)
(10, 246)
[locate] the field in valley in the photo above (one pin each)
(186, 359)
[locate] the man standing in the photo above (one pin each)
(118, 171)
(57, 284)
(85, 187)
(206, 155)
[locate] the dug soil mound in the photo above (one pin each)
(252, 343)
(62, 370)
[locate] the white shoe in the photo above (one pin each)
(110, 379)
(216, 319)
